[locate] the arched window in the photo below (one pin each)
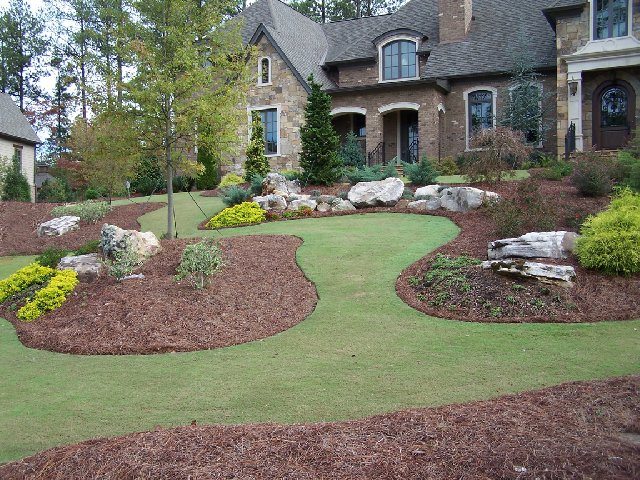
(611, 19)
(264, 71)
(614, 105)
(399, 60)
(480, 110)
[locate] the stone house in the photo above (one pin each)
(18, 140)
(422, 80)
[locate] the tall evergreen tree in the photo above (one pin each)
(257, 163)
(320, 159)
(190, 75)
(23, 45)
(61, 108)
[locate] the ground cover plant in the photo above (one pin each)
(89, 211)
(335, 376)
(574, 430)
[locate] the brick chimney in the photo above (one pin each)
(455, 19)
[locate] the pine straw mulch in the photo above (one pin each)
(19, 223)
(259, 292)
(575, 430)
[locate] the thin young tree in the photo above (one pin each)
(190, 76)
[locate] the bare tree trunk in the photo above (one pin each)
(323, 8)
(167, 153)
(119, 55)
(358, 8)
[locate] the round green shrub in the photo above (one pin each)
(610, 241)
(246, 213)
(235, 195)
(421, 173)
(230, 179)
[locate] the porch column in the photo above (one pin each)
(374, 129)
(574, 107)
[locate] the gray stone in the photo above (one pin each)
(432, 203)
(384, 193)
(133, 276)
(326, 199)
(557, 274)
(303, 202)
(429, 191)
(59, 226)
(277, 184)
(323, 207)
(339, 205)
(88, 267)
(114, 239)
(463, 199)
(534, 245)
(271, 202)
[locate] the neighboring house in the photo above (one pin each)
(18, 140)
(423, 79)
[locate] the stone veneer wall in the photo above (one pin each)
(285, 92)
(572, 33)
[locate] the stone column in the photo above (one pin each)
(374, 129)
(574, 96)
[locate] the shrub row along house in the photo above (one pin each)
(18, 140)
(423, 79)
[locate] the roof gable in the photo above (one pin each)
(13, 123)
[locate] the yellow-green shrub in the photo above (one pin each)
(243, 214)
(32, 274)
(230, 179)
(610, 241)
(51, 296)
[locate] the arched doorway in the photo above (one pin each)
(614, 107)
(350, 120)
(400, 132)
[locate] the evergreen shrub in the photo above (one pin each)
(246, 213)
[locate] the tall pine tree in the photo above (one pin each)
(257, 163)
(320, 159)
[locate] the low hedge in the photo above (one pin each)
(50, 297)
(32, 274)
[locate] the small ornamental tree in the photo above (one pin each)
(351, 153)
(320, 158)
(257, 163)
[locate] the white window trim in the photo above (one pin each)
(381, 58)
(465, 95)
(540, 86)
(258, 108)
(260, 84)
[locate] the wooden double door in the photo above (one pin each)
(614, 109)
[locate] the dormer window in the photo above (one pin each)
(399, 60)
(611, 19)
(264, 71)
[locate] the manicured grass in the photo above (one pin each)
(451, 179)
(188, 215)
(362, 351)
(8, 265)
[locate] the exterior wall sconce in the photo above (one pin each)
(573, 88)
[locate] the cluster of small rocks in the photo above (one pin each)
(454, 199)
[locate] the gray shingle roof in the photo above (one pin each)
(565, 4)
(500, 28)
(300, 38)
(500, 31)
(13, 123)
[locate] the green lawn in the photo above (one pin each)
(362, 351)
(8, 265)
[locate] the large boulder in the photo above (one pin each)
(557, 274)
(114, 239)
(340, 205)
(323, 207)
(534, 245)
(59, 226)
(302, 202)
(425, 205)
(463, 199)
(277, 184)
(428, 191)
(271, 202)
(384, 193)
(88, 267)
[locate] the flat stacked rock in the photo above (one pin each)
(88, 267)
(59, 226)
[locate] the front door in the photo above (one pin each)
(409, 136)
(613, 115)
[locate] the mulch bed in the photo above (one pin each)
(259, 292)
(575, 430)
(19, 223)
